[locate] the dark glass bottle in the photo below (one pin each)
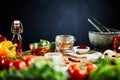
(16, 29)
(17, 38)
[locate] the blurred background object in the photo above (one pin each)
(47, 18)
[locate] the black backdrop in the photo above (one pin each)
(44, 19)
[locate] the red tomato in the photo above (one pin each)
(91, 66)
(71, 70)
(75, 66)
(29, 61)
(81, 74)
(2, 56)
(76, 73)
(18, 64)
(5, 63)
(1, 64)
(89, 63)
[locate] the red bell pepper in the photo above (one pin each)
(116, 44)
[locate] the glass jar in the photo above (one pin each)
(35, 49)
(64, 42)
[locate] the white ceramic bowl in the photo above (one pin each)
(53, 55)
(76, 49)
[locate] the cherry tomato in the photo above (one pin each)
(81, 74)
(5, 63)
(2, 56)
(29, 61)
(89, 63)
(71, 70)
(76, 73)
(1, 64)
(18, 64)
(90, 66)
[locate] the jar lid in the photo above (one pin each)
(65, 37)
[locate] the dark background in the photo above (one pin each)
(44, 19)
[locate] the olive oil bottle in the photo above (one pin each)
(17, 29)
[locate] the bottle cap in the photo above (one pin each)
(16, 22)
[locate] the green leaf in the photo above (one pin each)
(43, 42)
(52, 46)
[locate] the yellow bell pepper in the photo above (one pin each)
(7, 48)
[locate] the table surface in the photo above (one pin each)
(67, 58)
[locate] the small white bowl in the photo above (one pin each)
(76, 49)
(53, 55)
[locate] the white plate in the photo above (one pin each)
(93, 56)
(81, 50)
